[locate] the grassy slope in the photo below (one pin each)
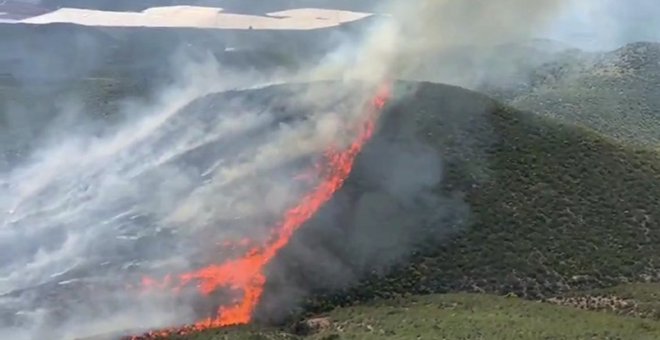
(459, 316)
(466, 316)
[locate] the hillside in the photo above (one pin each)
(78, 51)
(552, 207)
(520, 205)
(614, 93)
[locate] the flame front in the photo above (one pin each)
(246, 274)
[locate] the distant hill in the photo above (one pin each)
(610, 92)
(44, 68)
(72, 51)
(52, 52)
(614, 93)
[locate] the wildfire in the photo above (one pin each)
(246, 274)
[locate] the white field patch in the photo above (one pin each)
(201, 17)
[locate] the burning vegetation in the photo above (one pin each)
(244, 276)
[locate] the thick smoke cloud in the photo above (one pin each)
(498, 43)
(452, 41)
(443, 41)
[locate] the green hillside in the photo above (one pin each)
(613, 93)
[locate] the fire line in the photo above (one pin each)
(246, 274)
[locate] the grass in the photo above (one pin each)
(459, 316)
(471, 316)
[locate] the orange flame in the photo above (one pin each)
(246, 274)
